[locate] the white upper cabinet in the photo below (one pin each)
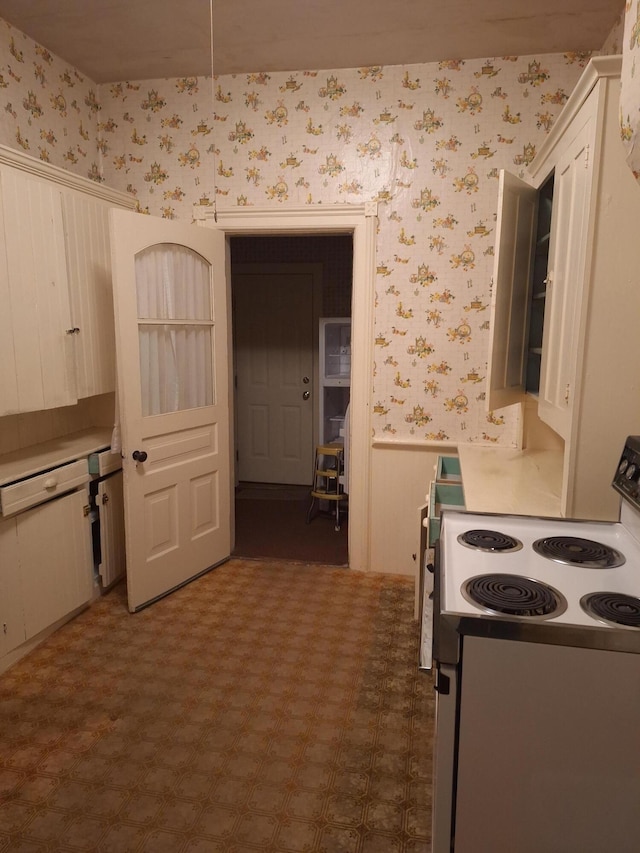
(574, 345)
(565, 286)
(56, 324)
(37, 295)
(86, 224)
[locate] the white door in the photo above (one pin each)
(273, 325)
(171, 354)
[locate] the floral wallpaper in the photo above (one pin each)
(47, 108)
(426, 141)
(630, 86)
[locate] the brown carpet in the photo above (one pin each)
(271, 522)
(263, 707)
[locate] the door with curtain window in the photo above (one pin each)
(173, 390)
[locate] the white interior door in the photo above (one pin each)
(273, 325)
(173, 378)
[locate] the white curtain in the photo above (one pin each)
(175, 324)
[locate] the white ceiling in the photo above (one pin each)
(115, 40)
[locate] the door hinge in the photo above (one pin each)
(586, 156)
(105, 499)
(86, 509)
(567, 393)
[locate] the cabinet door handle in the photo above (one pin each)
(306, 395)
(50, 483)
(139, 455)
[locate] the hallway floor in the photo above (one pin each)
(266, 706)
(271, 522)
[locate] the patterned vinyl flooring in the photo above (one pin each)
(266, 706)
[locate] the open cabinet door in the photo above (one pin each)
(514, 247)
(173, 390)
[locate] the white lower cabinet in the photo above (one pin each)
(54, 546)
(61, 535)
(12, 630)
(46, 570)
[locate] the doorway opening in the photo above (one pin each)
(281, 288)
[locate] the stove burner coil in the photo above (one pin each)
(614, 608)
(514, 595)
(574, 551)
(489, 540)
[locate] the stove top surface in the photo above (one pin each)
(573, 559)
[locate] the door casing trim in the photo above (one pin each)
(361, 222)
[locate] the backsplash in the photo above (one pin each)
(426, 141)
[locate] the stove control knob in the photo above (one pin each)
(622, 467)
(631, 471)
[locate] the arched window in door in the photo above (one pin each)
(175, 329)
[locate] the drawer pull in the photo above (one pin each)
(50, 483)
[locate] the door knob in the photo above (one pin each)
(306, 395)
(139, 455)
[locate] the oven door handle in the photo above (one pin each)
(443, 683)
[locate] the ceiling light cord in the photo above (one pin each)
(213, 113)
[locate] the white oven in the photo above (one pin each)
(536, 646)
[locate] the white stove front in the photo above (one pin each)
(459, 562)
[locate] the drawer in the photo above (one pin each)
(105, 462)
(35, 490)
(442, 496)
(448, 470)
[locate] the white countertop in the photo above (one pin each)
(506, 480)
(41, 457)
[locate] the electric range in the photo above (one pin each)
(536, 646)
